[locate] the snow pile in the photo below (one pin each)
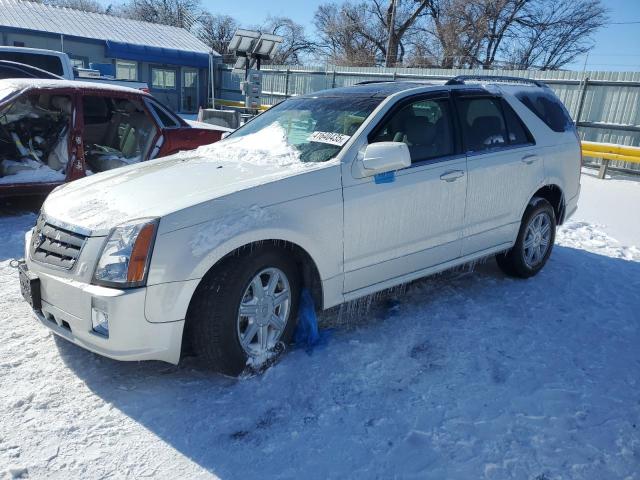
(37, 174)
(467, 375)
(267, 147)
(591, 238)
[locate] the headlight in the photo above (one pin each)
(125, 257)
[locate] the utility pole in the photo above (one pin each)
(392, 28)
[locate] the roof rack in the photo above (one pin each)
(462, 79)
(367, 82)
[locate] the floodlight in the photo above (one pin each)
(266, 46)
(243, 42)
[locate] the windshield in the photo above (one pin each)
(311, 129)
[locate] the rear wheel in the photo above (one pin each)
(244, 308)
(534, 243)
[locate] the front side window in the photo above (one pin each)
(482, 122)
(425, 126)
(305, 129)
(163, 78)
(117, 132)
(126, 70)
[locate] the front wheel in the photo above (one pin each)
(534, 243)
(243, 309)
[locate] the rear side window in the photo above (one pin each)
(518, 133)
(482, 122)
(165, 119)
(548, 109)
(49, 63)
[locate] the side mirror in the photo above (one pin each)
(385, 157)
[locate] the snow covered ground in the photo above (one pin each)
(468, 375)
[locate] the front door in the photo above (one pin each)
(189, 90)
(396, 226)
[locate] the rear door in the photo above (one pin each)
(503, 170)
(399, 224)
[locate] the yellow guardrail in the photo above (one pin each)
(231, 103)
(610, 151)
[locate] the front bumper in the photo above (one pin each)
(131, 336)
(67, 306)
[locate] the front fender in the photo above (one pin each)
(313, 223)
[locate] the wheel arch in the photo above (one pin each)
(553, 194)
(307, 266)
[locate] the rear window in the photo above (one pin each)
(45, 62)
(548, 109)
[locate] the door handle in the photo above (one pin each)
(452, 175)
(529, 159)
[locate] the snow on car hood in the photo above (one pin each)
(160, 187)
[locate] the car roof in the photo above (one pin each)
(385, 88)
(38, 51)
(24, 83)
(373, 89)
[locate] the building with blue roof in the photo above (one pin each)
(171, 60)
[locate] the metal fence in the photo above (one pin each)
(605, 105)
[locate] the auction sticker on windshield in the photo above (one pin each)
(329, 137)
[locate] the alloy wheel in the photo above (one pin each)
(264, 311)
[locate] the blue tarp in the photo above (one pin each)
(141, 53)
(106, 69)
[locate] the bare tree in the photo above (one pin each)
(177, 13)
(453, 32)
(524, 33)
(340, 34)
(556, 33)
(216, 31)
(296, 46)
(396, 18)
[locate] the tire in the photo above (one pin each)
(214, 325)
(519, 261)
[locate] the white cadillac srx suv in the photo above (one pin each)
(344, 192)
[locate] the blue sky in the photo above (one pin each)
(617, 46)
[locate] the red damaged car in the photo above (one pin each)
(55, 131)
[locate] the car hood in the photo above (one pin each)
(159, 187)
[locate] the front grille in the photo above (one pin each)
(55, 246)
